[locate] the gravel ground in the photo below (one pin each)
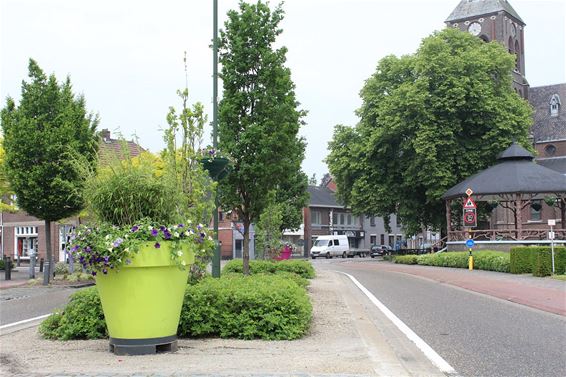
(334, 346)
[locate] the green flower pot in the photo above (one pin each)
(142, 301)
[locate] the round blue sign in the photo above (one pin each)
(470, 243)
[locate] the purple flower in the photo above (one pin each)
(88, 249)
(74, 248)
(157, 245)
(181, 225)
(167, 235)
(135, 228)
(117, 242)
(104, 271)
(93, 273)
(154, 232)
(211, 152)
(106, 259)
(162, 228)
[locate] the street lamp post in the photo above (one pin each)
(216, 256)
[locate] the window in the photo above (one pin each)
(536, 208)
(342, 219)
(349, 219)
(550, 150)
(336, 243)
(316, 217)
(372, 240)
(372, 221)
(334, 218)
(554, 105)
(382, 238)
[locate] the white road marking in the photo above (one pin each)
(431, 354)
(24, 321)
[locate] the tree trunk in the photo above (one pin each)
(48, 272)
(246, 251)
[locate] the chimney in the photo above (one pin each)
(105, 133)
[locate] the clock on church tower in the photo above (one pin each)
(495, 20)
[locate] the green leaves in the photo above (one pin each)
(427, 121)
(49, 140)
(259, 118)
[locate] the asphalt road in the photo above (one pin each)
(17, 304)
(476, 334)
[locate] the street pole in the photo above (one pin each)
(216, 256)
(551, 223)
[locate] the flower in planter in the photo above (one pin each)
(210, 153)
(105, 248)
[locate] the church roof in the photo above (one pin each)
(473, 8)
(515, 172)
(547, 127)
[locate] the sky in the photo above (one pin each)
(126, 57)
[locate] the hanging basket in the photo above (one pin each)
(217, 167)
(536, 206)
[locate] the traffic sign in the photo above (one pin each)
(470, 218)
(470, 243)
(469, 192)
(469, 203)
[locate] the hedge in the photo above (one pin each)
(82, 318)
(245, 307)
(483, 260)
(537, 260)
(300, 267)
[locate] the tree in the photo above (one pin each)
(5, 189)
(49, 139)
(268, 229)
(259, 120)
(427, 121)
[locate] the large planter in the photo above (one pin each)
(142, 301)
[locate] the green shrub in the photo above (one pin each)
(82, 318)
(300, 267)
(246, 307)
(406, 259)
(266, 306)
(537, 260)
(522, 259)
(3, 264)
(61, 268)
(483, 260)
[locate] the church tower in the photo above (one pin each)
(495, 20)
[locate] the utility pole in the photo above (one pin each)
(216, 256)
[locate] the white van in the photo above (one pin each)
(330, 246)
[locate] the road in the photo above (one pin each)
(17, 304)
(476, 334)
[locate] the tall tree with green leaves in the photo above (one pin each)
(428, 121)
(259, 120)
(49, 139)
(6, 192)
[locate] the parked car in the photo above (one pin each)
(379, 250)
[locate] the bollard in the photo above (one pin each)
(41, 262)
(7, 268)
(32, 265)
(470, 261)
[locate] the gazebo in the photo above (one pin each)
(515, 183)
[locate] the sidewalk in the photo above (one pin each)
(20, 277)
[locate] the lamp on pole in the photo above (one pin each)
(216, 256)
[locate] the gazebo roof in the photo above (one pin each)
(515, 172)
